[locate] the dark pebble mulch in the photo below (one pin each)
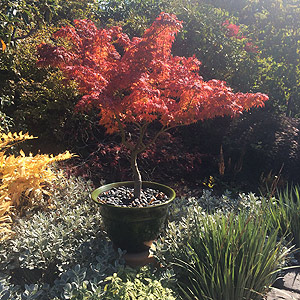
(123, 196)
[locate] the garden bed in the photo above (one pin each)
(62, 252)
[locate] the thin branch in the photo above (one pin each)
(137, 125)
(162, 130)
(123, 135)
(171, 127)
(140, 144)
(31, 31)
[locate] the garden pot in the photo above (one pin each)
(133, 228)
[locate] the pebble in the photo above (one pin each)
(124, 197)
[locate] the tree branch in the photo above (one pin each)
(123, 135)
(144, 147)
(140, 144)
(31, 31)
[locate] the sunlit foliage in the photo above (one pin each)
(22, 177)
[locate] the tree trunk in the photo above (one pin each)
(136, 176)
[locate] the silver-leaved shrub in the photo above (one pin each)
(63, 253)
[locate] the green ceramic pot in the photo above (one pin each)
(133, 228)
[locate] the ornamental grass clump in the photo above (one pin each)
(285, 212)
(224, 257)
(135, 83)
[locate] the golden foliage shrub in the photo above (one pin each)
(22, 177)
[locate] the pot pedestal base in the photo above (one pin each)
(140, 259)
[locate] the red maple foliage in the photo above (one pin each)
(249, 47)
(232, 30)
(138, 81)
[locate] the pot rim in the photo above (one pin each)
(95, 193)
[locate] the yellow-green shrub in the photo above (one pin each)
(22, 177)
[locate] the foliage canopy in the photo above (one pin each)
(138, 81)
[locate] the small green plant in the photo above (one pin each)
(136, 286)
(224, 256)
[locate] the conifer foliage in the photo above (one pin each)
(139, 81)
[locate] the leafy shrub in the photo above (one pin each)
(260, 142)
(274, 25)
(30, 97)
(134, 16)
(34, 96)
(223, 256)
(22, 177)
(222, 56)
(52, 242)
(169, 160)
(138, 286)
(20, 19)
(63, 253)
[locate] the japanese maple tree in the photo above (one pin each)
(136, 82)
